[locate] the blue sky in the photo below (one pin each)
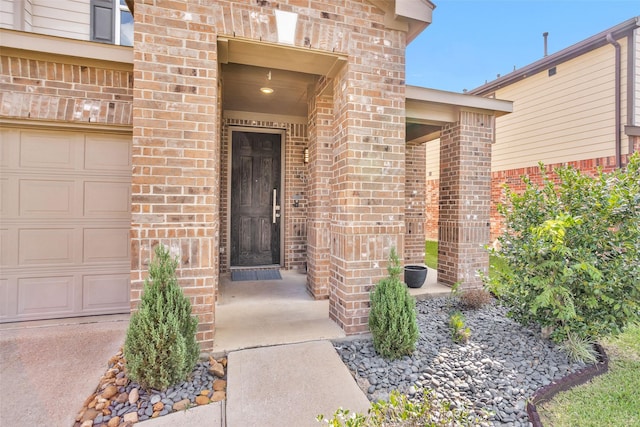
(471, 41)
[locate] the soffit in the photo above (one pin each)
(412, 16)
(431, 109)
(278, 56)
(246, 65)
(241, 90)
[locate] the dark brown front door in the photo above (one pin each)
(255, 187)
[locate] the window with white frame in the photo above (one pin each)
(111, 22)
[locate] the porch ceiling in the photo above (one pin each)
(241, 90)
(245, 69)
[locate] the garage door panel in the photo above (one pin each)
(52, 198)
(106, 245)
(50, 150)
(107, 199)
(104, 292)
(45, 246)
(45, 295)
(4, 298)
(7, 256)
(9, 142)
(4, 196)
(107, 153)
(65, 209)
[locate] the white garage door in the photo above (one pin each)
(65, 218)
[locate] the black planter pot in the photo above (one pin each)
(415, 275)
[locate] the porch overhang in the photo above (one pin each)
(264, 54)
(412, 16)
(428, 110)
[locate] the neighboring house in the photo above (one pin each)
(237, 133)
(579, 106)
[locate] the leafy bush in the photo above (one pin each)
(399, 411)
(459, 331)
(573, 252)
(392, 319)
(475, 299)
(160, 348)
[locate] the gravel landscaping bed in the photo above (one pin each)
(493, 374)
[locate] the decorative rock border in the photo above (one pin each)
(119, 402)
(577, 378)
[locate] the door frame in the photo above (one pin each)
(283, 190)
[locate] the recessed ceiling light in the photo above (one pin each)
(266, 90)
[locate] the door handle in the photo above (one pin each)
(275, 213)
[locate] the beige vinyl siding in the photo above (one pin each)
(433, 159)
(6, 14)
(13, 18)
(63, 18)
(566, 117)
(28, 15)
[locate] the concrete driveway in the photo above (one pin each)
(48, 368)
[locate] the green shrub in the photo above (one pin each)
(392, 319)
(459, 331)
(160, 348)
(573, 252)
(399, 411)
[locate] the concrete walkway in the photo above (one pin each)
(289, 385)
(48, 368)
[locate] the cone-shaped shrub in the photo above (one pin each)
(392, 319)
(161, 348)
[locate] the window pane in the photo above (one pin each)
(126, 28)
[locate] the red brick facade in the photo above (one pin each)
(319, 193)
(58, 91)
(361, 194)
(180, 195)
(176, 150)
(511, 177)
(416, 196)
(465, 199)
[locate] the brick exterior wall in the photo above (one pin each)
(296, 177)
(368, 169)
(58, 91)
(432, 208)
(512, 177)
(319, 192)
(416, 194)
(465, 199)
(176, 150)
(178, 178)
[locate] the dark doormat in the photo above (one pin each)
(248, 275)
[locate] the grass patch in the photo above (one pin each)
(608, 400)
(431, 254)
(431, 257)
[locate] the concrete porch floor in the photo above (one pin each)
(272, 312)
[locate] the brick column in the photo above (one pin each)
(368, 177)
(176, 151)
(319, 190)
(415, 199)
(465, 199)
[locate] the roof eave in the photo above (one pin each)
(580, 48)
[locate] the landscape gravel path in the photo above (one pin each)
(492, 375)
